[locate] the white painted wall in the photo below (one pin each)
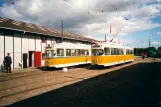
(25, 45)
(1, 47)
(17, 49)
(38, 43)
(9, 47)
(48, 40)
(53, 40)
(31, 43)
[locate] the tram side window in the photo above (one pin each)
(50, 53)
(122, 51)
(107, 51)
(78, 51)
(86, 52)
(112, 51)
(117, 51)
(132, 52)
(60, 52)
(82, 52)
(68, 52)
(73, 52)
(127, 52)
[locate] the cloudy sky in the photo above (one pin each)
(133, 22)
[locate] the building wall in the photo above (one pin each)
(9, 46)
(19, 43)
(49, 40)
(38, 43)
(1, 47)
(17, 49)
(25, 46)
(31, 44)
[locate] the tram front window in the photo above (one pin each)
(50, 53)
(97, 52)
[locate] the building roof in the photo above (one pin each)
(7, 23)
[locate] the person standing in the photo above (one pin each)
(8, 62)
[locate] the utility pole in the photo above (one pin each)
(149, 42)
(105, 38)
(62, 31)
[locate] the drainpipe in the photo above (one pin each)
(21, 47)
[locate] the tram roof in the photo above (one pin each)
(69, 45)
(115, 45)
(110, 43)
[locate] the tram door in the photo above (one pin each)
(31, 58)
(24, 60)
(37, 59)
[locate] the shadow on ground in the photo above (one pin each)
(49, 68)
(134, 86)
(56, 69)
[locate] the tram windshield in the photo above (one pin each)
(50, 53)
(97, 52)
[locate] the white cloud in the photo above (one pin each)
(155, 43)
(159, 33)
(76, 18)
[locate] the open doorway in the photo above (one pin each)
(24, 60)
(31, 58)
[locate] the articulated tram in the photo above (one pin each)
(108, 54)
(67, 54)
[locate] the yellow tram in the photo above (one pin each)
(67, 54)
(108, 54)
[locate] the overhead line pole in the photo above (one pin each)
(62, 30)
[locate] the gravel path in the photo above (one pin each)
(133, 84)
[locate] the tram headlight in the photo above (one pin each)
(47, 62)
(96, 61)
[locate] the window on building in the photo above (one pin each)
(60, 52)
(43, 39)
(58, 40)
(107, 51)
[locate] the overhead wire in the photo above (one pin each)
(102, 11)
(89, 13)
(90, 8)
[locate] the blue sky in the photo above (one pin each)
(1, 2)
(145, 20)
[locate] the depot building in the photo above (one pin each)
(26, 42)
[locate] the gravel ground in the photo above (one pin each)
(135, 84)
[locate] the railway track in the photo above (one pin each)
(47, 78)
(45, 85)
